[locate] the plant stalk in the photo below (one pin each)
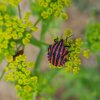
(38, 43)
(98, 62)
(2, 74)
(19, 12)
(41, 53)
(37, 21)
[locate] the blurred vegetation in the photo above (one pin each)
(83, 86)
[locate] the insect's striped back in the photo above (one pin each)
(57, 53)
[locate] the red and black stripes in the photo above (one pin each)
(57, 53)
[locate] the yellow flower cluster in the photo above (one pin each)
(19, 73)
(13, 32)
(53, 66)
(73, 60)
(12, 2)
(54, 8)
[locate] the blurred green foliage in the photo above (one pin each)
(87, 5)
(92, 38)
(65, 86)
(81, 4)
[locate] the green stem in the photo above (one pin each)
(34, 95)
(98, 61)
(37, 21)
(2, 74)
(53, 74)
(18, 48)
(38, 43)
(19, 12)
(41, 53)
(38, 61)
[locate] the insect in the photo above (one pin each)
(20, 52)
(57, 53)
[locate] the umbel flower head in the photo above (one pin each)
(93, 37)
(19, 73)
(13, 32)
(52, 8)
(65, 52)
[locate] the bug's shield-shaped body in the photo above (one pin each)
(57, 53)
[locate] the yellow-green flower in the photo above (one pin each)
(64, 15)
(34, 28)
(27, 15)
(9, 58)
(68, 68)
(25, 41)
(76, 70)
(86, 53)
(79, 41)
(68, 32)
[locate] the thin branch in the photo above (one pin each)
(39, 59)
(37, 21)
(38, 43)
(19, 12)
(2, 74)
(38, 62)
